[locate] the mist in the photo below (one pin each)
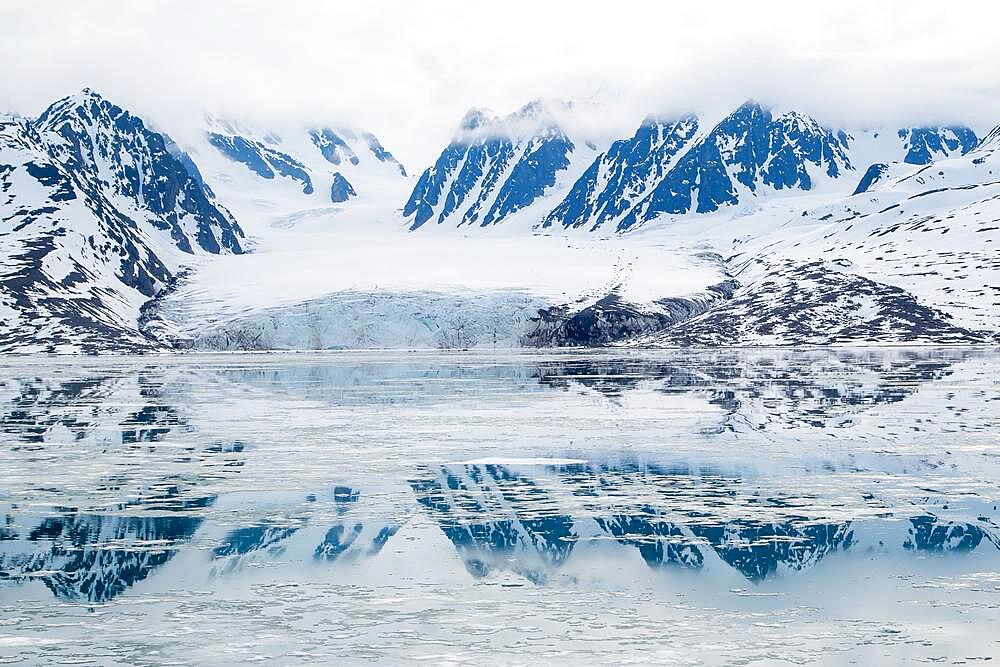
(409, 71)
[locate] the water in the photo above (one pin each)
(609, 507)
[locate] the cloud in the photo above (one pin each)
(409, 70)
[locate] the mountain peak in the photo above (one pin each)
(624, 173)
(493, 167)
(476, 118)
(751, 106)
(86, 106)
(746, 150)
(535, 109)
(84, 95)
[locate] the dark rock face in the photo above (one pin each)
(380, 153)
(334, 149)
(341, 190)
(611, 319)
(926, 144)
(790, 303)
(874, 174)
(667, 168)
(87, 133)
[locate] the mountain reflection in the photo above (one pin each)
(528, 524)
(137, 520)
(111, 474)
(96, 557)
(307, 534)
(500, 518)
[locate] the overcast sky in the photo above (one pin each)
(408, 70)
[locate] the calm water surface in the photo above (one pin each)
(610, 507)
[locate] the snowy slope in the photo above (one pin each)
(267, 172)
(912, 259)
(97, 218)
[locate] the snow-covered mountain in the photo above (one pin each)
(748, 152)
(496, 167)
(266, 171)
(818, 266)
(909, 257)
(98, 215)
(761, 227)
(676, 167)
